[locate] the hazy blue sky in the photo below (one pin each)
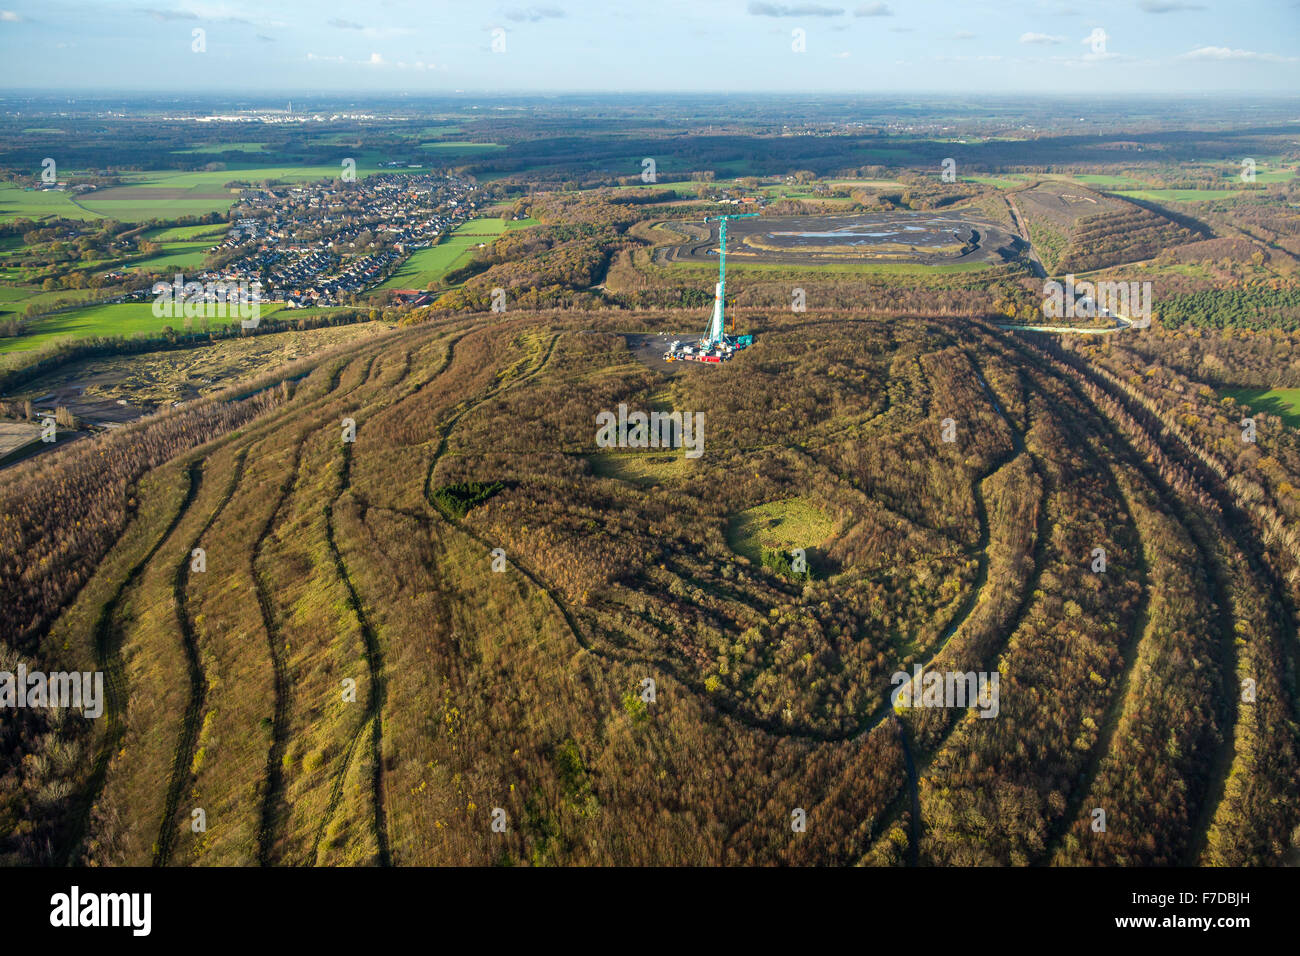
(725, 45)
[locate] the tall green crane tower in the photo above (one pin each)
(713, 335)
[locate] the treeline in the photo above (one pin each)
(546, 280)
(1243, 499)
(35, 232)
(1254, 307)
(550, 266)
(1267, 359)
(1156, 771)
(519, 245)
(923, 192)
(1004, 790)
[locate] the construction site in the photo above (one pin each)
(717, 345)
(892, 237)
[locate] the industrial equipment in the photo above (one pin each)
(716, 345)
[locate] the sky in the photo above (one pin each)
(441, 46)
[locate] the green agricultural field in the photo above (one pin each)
(181, 255)
(15, 299)
(1108, 181)
(19, 203)
(495, 212)
(461, 146)
(207, 181)
(481, 226)
(681, 189)
(1282, 402)
(165, 194)
(1274, 175)
(184, 233)
(154, 207)
(484, 226)
(1180, 195)
(771, 191)
(866, 183)
(129, 318)
(427, 266)
(224, 148)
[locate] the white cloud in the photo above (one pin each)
(757, 9)
(376, 61)
(8, 16)
(1090, 59)
(1040, 38)
(368, 31)
(1226, 53)
(1167, 6)
(534, 14)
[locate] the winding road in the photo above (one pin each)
(1121, 323)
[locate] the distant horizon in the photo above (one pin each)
(270, 99)
(1126, 47)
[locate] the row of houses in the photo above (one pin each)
(325, 243)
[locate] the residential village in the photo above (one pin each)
(328, 244)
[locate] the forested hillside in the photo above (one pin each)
(454, 619)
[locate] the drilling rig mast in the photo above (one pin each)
(716, 346)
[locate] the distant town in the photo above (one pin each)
(327, 244)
